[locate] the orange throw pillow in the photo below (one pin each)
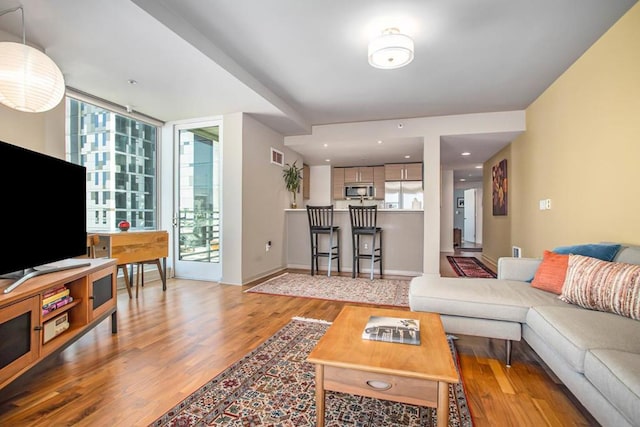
(551, 272)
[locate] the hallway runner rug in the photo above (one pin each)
(274, 385)
(470, 267)
(383, 292)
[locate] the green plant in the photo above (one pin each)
(292, 176)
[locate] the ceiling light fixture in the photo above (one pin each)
(391, 49)
(29, 80)
(466, 153)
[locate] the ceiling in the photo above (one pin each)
(293, 64)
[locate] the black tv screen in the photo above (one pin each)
(44, 208)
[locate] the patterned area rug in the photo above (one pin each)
(470, 267)
(274, 386)
(384, 292)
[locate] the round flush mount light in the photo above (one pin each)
(391, 49)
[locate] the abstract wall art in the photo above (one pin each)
(500, 186)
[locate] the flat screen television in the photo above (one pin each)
(43, 224)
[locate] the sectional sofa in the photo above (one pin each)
(586, 329)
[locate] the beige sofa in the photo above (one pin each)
(596, 354)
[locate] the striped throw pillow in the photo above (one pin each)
(604, 286)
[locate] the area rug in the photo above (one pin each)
(383, 292)
(274, 385)
(470, 267)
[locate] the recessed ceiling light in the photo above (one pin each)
(479, 167)
(462, 179)
(379, 142)
(466, 153)
(327, 160)
(407, 156)
(326, 145)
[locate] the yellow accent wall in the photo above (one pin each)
(581, 150)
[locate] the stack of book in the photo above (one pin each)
(55, 298)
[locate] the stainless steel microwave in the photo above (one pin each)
(357, 191)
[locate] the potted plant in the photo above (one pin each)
(292, 177)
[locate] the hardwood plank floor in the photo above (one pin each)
(170, 343)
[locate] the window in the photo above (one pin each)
(120, 154)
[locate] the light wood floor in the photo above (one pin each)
(170, 343)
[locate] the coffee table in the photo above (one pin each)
(412, 374)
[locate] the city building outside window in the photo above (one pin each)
(121, 157)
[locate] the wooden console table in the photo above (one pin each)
(133, 247)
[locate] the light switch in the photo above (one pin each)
(543, 204)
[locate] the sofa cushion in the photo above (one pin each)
(603, 286)
(628, 254)
(603, 251)
(616, 374)
(551, 272)
(477, 298)
(572, 331)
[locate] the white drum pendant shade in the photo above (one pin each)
(29, 80)
(391, 50)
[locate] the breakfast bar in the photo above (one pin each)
(402, 242)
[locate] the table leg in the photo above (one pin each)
(319, 395)
(164, 274)
(125, 274)
(443, 404)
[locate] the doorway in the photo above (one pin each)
(197, 219)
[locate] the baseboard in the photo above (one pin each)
(490, 262)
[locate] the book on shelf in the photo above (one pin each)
(54, 297)
(48, 308)
(53, 291)
(392, 329)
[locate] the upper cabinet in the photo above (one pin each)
(378, 182)
(403, 172)
(338, 183)
(306, 182)
(358, 174)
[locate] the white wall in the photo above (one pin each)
(232, 180)
(264, 200)
(446, 212)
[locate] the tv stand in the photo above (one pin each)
(43, 269)
(37, 331)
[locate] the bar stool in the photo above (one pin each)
(321, 223)
(364, 223)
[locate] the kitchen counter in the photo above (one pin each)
(402, 243)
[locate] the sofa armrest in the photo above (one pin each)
(522, 269)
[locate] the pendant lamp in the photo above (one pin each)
(29, 80)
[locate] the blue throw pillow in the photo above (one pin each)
(603, 251)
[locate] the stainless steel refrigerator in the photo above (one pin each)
(403, 195)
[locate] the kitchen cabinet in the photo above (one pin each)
(378, 182)
(403, 172)
(338, 183)
(358, 174)
(306, 182)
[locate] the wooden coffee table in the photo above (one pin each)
(412, 374)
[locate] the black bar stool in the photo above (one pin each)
(364, 223)
(321, 223)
